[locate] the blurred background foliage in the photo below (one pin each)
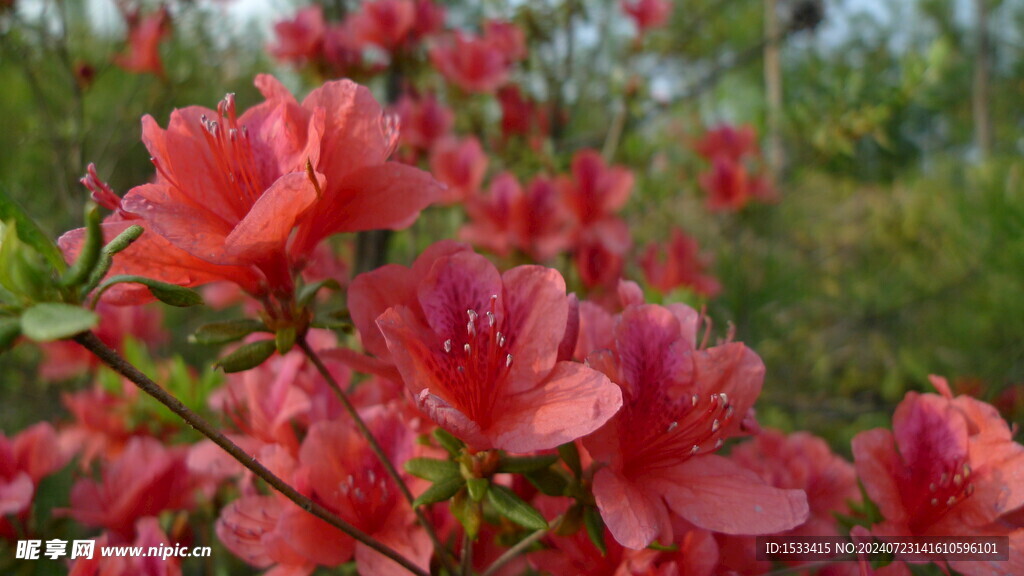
(895, 251)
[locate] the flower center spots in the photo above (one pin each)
(942, 494)
(477, 365)
(367, 497)
(668, 431)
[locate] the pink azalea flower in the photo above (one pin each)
(461, 164)
(25, 460)
(429, 18)
(541, 224)
(144, 481)
(144, 37)
(521, 116)
(600, 252)
(647, 14)
(300, 40)
(679, 405)
(471, 63)
(383, 23)
(507, 38)
(491, 215)
(479, 351)
(948, 467)
(231, 190)
(795, 461)
(727, 185)
(425, 120)
(596, 190)
(728, 141)
(680, 264)
(148, 534)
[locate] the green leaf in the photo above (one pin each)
(247, 356)
(477, 488)
(523, 464)
(10, 329)
(82, 269)
(514, 508)
(450, 443)
(30, 233)
(440, 491)
(23, 272)
(595, 527)
(227, 331)
(468, 513)
(571, 456)
(170, 294)
(49, 321)
(548, 481)
(120, 242)
(432, 469)
(309, 291)
(284, 339)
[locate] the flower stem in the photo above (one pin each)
(379, 452)
(521, 547)
(111, 358)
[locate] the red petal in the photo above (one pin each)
(634, 515)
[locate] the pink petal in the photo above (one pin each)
(634, 515)
(313, 538)
(451, 419)
(716, 494)
(373, 292)
(16, 495)
(455, 285)
(875, 458)
(536, 311)
(650, 351)
(573, 402)
(266, 227)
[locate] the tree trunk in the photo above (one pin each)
(981, 91)
(773, 90)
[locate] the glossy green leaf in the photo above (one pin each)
(30, 233)
(523, 464)
(440, 491)
(477, 488)
(432, 469)
(514, 508)
(227, 331)
(170, 294)
(450, 443)
(49, 321)
(595, 527)
(247, 356)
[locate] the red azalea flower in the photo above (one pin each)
(383, 23)
(25, 459)
(479, 351)
(461, 164)
(681, 265)
(491, 215)
(144, 480)
(425, 120)
(230, 190)
(727, 185)
(600, 252)
(507, 38)
(679, 405)
(148, 534)
(473, 64)
(144, 37)
(647, 14)
(300, 40)
(728, 141)
(596, 190)
(949, 467)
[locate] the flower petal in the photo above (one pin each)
(266, 227)
(536, 312)
(574, 401)
(633, 515)
(717, 494)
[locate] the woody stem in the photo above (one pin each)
(378, 451)
(111, 358)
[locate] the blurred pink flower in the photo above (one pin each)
(25, 459)
(424, 119)
(144, 37)
(678, 263)
(383, 23)
(647, 14)
(147, 534)
(728, 141)
(471, 63)
(300, 40)
(460, 164)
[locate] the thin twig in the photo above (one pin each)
(111, 358)
(378, 451)
(521, 547)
